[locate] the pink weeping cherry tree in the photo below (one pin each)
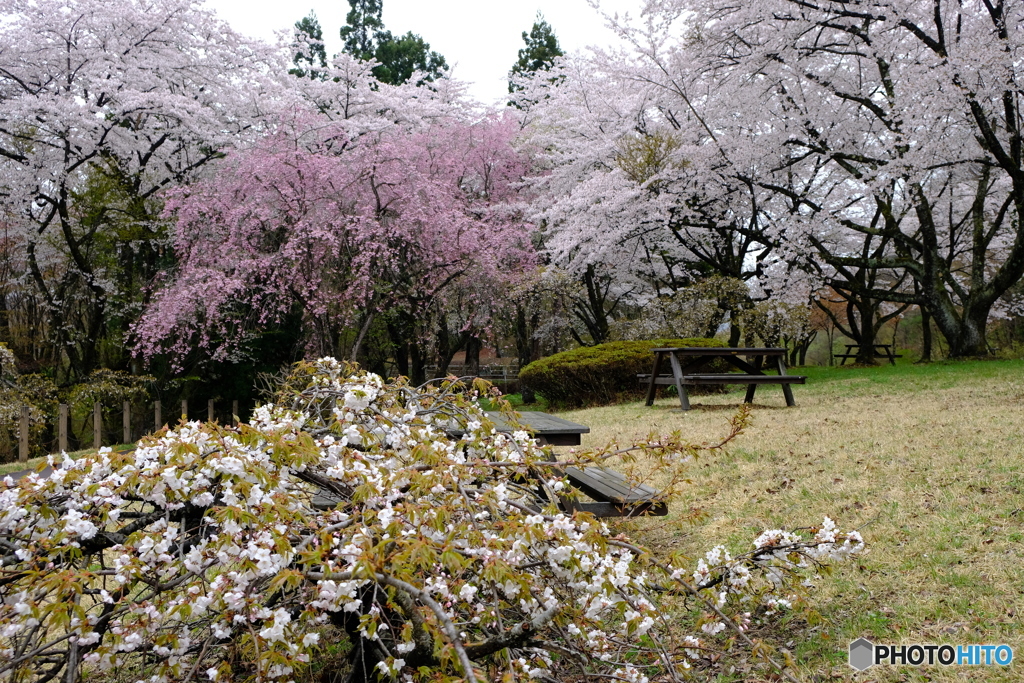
(336, 223)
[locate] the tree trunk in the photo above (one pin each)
(734, 332)
(446, 346)
(473, 347)
(964, 329)
(418, 363)
(524, 340)
(401, 346)
(866, 352)
(926, 336)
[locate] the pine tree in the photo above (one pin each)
(400, 57)
(360, 35)
(310, 53)
(364, 37)
(539, 54)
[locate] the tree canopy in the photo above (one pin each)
(310, 54)
(398, 57)
(541, 50)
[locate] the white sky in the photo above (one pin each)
(479, 38)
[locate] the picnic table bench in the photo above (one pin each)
(881, 351)
(751, 373)
(612, 494)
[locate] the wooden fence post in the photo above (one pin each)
(158, 421)
(62, 428)
(234, 413)
(209, 410)
(184, 409)
(97, 425)
(23, 436)
(126, 422)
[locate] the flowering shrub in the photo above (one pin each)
(444, 559)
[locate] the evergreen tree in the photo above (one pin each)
(364, 37)
(400, 57)
(539, 54)
(310, 53)
(364, 27)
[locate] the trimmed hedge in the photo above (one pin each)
(602, 374)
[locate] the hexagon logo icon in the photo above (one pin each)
(862, 654)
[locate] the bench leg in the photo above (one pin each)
(751, 388)
(677, 372)
(787, 390)
(652, 388)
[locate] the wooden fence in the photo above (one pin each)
(97, 423)
(504, 376)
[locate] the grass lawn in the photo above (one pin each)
(927, 461)
(34, 463)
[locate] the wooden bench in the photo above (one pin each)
(612, 495)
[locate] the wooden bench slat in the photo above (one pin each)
(653, 509)
(744, 379)
(603, 484)
(730, 378)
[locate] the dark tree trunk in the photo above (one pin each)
(926, 336)
(446, 346)
(523, 338)
(861, 315)
(594, 312)
(418, 363)
(734, 334)
(401, 347)
(964, 330)
(473, 347)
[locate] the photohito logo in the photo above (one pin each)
(865, 654)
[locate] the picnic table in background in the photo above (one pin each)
(881, 351)
(685, 363)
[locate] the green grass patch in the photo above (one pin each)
(38, 463)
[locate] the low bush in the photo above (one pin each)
(603, 374)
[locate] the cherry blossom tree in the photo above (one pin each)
(897, 126)
(637, 194)
(848, 142)
(106, 102)
(227, 553)
(340, 222)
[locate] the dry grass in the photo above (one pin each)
(925, 460)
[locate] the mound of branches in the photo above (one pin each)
(201, 556)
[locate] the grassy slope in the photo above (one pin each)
(36, 463)
(926, 460)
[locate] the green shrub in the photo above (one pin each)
(602, 374)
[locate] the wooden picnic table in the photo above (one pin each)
(686, 361)
(612, 494)
(885, 352)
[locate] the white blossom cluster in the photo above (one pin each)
(208, 538)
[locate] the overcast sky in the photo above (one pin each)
(479, 38)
